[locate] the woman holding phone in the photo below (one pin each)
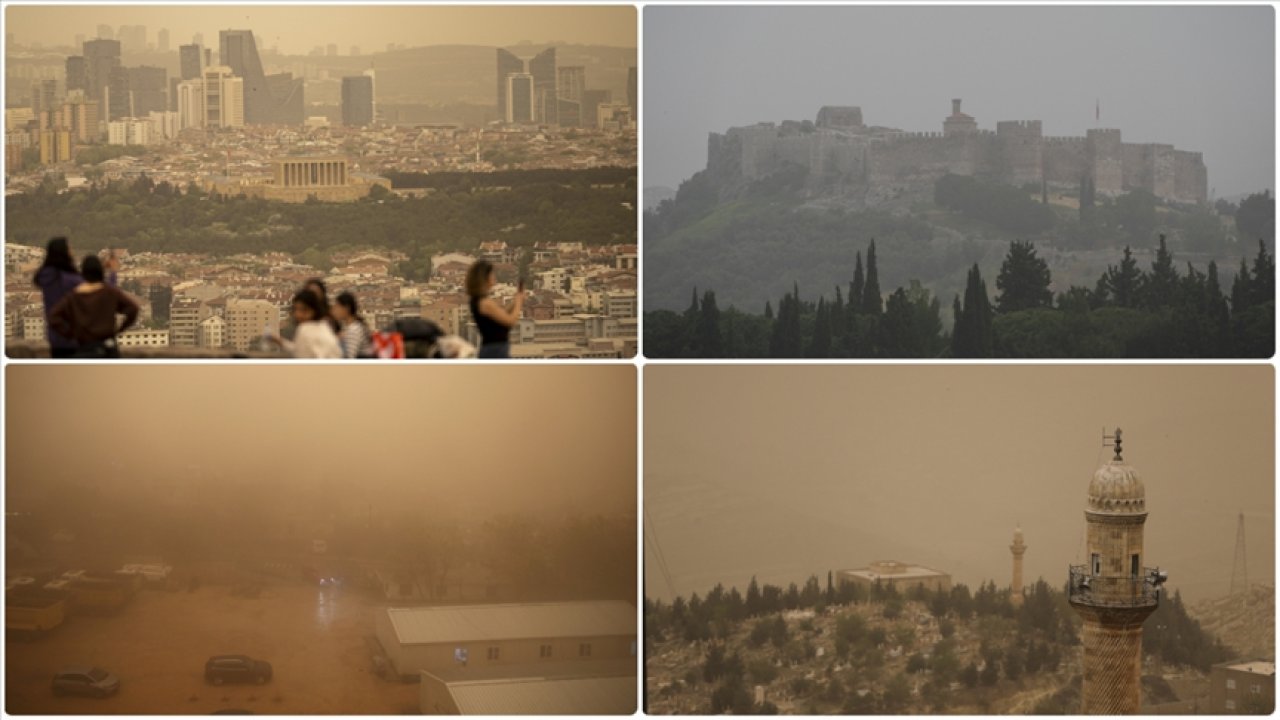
(492, 319)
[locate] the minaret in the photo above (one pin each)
(1114, 593)
(1018, 548)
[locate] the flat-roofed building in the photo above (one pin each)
(552, 688)
(900, 576)
(440, 638)
(1242, 687)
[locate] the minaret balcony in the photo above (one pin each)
(1102, 591)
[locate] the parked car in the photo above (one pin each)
(85, 680)
(236, 669)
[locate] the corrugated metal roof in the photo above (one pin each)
(479, 623)
(538, 696)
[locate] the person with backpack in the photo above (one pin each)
(87, 314)
(354, 334)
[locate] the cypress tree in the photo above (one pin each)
(973, 336)
(856, 287)
(872, 304)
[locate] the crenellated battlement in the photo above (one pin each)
(840, 150)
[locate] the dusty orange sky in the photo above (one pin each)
(783, 471)
(470, 441)
(297, 29)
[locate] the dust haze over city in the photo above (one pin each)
(382, 149)
(304, 517)
(832, 468)
(1196, 77)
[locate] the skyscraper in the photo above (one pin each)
(520, 98)
(357, 101)
(148, 86)
(133, 38)
(162, 40)
(1114, 594)
(508, 64)
(119, 99)
(571, 85)
(274, 100)
(223, 98)
(633, 90)
(106, 33)
(543, 69)
(101, 57)
(190, 61)
(77, 73)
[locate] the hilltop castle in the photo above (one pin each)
(875, 164)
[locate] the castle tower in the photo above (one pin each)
(957, 122)
(1018, 548)
(1114, 593)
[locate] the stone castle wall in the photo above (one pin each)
(887, 162)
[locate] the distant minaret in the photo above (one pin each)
(1018, 548)
(1114, 593)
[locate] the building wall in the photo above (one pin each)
(1233, 692)
(408, 660)
(889, 164)
(434, 698)
(901, 585)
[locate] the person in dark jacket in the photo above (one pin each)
(493, 320)
(56, 277)
(87, 314)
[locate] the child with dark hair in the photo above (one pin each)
(354, 333)
(312, 337)
(87, 314)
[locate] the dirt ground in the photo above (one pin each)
(317, 640)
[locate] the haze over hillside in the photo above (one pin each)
(778, 473)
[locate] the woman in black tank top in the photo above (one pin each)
(492, 320)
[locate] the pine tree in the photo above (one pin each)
(1160, 286)
(1024, 280)
(1122, 284)
(1264, 276)
(872, 303)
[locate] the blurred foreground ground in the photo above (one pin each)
(317, 639)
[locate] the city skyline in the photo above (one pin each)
(369, 28)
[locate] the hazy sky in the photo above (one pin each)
(460, 440)
(1201, 79)
(297, 29)
(786, 471)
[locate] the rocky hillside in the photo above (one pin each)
(1245, 622)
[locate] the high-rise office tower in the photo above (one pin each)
(133, 38)
(571, 84)
(520, 98)
(543, 69)
(119, 98)
(633, 91)
(148, 86)
(508, 64)
(77, 73)
(162, 40)
(44, 96)
(357, 101)
(198, 39)
(223, 98)
(106, 33)
(190, 61)
(273, 100)
(591, 102)
(101, 57)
